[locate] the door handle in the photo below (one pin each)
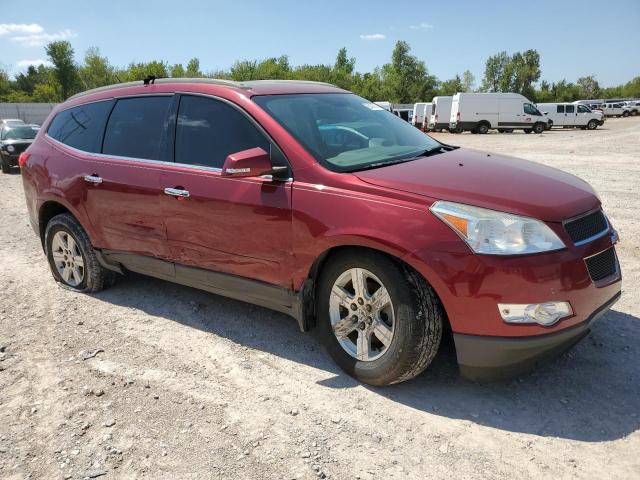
(176, 192)
(93, 178)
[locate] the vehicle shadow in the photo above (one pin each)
(591, 393)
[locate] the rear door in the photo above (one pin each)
(123, 185)
(119, 193)
(239, 226)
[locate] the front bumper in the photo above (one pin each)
(11, 159)
(488, 359)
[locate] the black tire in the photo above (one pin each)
(625, 114)
(501, 130)
(95, 276)
(634, 113)
(418, 319)
(483, 128)
(539, 128)
(527, 130)
(508, 130)
(6, 168)
(592, 125)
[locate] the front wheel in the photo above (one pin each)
(71, 256)
(592, 125)
(539, 127)
(380, 321)
(625, 114)
(6, 168)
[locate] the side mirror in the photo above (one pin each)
(247, 163)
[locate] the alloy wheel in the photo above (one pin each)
(67, 258)
(361, 314)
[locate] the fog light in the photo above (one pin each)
(11, 148)
(541, 313)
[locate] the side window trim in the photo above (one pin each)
(243, 112)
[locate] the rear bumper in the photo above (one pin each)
(488, 359)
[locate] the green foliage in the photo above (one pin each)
(65, 70)
(405, 79)
(512, 73)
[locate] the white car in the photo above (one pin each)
(634, 107)
(479, 112)
(571, 115)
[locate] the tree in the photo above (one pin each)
(139, 71)
(495, 71)
(193, 68)
(406, 79)
(516, 73)
(632, 88)
(342, 72)
(66, 73)
(96, 70)
(589, 87)
(468, 81)
(451, 87)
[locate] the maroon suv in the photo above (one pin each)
(309, 200)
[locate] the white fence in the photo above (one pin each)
(29, 112)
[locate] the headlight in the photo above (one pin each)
(497, 233)
(11, 148)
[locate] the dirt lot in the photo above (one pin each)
(191, 385)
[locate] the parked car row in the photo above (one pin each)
(506, 112)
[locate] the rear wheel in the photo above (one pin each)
(592, 125)
(527, 130)
(625, 114)
(483, 128)
(72, 260)
(381, 322)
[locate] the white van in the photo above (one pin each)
(420, 114)
(478, 112)
(440, 113)
(567, 114)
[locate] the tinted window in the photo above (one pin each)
(571, 108)
(19, 132)
(81, 127)
(209, 130)
(560, 109)
(583, 109)
(136, 128)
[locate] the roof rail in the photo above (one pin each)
(149, 79)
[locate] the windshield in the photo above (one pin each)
(19, 133)
(344, 132)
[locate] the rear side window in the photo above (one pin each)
(559, 108)
(81, 127)
(137, 128)
(208, 130)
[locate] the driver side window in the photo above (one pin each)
(530, 109)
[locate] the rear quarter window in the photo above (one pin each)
(81, 127)
(137, 127)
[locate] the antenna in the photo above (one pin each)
(149, 80)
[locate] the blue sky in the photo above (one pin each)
(574, 38)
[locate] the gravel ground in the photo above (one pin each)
(185, 384)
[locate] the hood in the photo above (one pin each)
(491, 181)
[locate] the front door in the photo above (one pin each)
(583, 115)
(239, 226)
